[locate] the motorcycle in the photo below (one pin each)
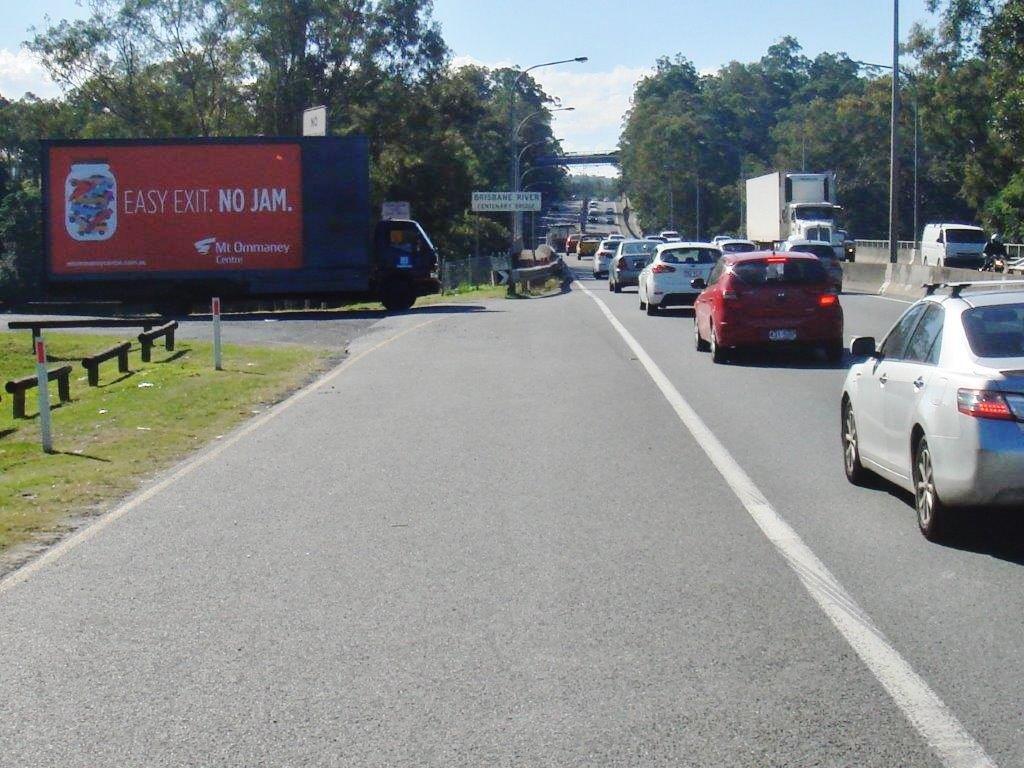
(994, 264)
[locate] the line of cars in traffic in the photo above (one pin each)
(742, 297)
(937, 408)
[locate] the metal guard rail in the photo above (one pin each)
(1013, 250)
(543, 272)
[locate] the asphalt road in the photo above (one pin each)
(490, 541)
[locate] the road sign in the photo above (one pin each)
(314, 121)
(501, 277)
(506, 201)
(395, 210)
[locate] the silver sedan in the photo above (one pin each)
(938, 408)
(631, 257)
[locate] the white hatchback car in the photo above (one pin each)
(604, 255)
(938, 408)
(666, 281)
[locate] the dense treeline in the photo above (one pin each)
(688, 135)
(158, 68)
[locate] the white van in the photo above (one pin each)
(953, 245)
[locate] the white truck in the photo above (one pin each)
(792, 206)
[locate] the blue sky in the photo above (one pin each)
(622, 39)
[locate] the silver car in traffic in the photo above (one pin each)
(631, 257)
(938, 408)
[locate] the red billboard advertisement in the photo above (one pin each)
(174, 207)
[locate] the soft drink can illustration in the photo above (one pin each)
(90, 195)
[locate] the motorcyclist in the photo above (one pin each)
(994, 249)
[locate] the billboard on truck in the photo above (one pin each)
(260, 214)
(174, 220)
(148, 209)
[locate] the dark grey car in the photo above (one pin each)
(627, 263)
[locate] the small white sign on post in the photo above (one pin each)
(43, 383)
(314, 121)
(395, 209)
(506, 201)
(215, 313)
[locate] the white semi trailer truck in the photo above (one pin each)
(792, 206)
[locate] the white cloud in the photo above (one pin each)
(20, 72)
(601, 100)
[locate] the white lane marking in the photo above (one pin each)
(59, 550)
(926, 712)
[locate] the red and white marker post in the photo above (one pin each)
(215, 312)
(43, 381)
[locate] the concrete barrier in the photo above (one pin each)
(871, 255)
(905, 281)
(863, 278)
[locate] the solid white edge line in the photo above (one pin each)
(57, 551)
(927, 713)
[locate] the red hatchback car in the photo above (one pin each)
(768, 299)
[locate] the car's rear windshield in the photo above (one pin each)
(690, 255)
(737, 247)
(821, 251)
(995, 331)
(780, 271)
(634, 249)
(965, 236)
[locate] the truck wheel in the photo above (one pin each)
(397, 296)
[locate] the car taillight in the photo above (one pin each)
(659, 268)
(828, 300)
(983, 404)
(777, 259)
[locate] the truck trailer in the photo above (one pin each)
(798, 206)
(174, 221)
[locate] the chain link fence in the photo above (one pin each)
(470, 271)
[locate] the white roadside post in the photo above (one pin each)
(215, 312)
(43, 378)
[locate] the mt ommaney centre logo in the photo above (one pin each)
(234, 253)
(175, 206)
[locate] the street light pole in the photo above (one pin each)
(513, 164)
(517, 225)
(894, 158)
(917, 131)
(697, 174)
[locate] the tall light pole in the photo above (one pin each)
(523, 122)
(513, 169)
(894, 157)
(517, 223)
(917, 131)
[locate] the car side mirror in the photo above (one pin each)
(863, 346)
(698, 282)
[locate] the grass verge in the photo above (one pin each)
(109, 438)
(463, 293)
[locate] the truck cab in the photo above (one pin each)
(406, 263)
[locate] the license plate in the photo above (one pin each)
(782, 334)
